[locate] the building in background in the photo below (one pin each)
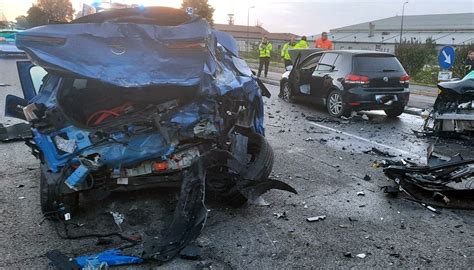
(254, 35)
(384, 34)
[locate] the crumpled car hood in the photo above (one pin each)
(121, 53)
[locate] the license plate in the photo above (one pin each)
(382, 99)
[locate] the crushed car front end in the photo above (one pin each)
(453, 110)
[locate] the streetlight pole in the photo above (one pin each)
(248, 27)
(401, 26)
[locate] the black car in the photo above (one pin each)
(348, 80)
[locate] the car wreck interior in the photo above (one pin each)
(92, 103)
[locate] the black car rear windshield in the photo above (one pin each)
(376, 63)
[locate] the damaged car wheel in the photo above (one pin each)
(50, 198)
(222, 183)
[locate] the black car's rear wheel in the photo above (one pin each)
(286, 93)
(335, 104)
(394, 111)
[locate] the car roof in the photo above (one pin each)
(357, 52)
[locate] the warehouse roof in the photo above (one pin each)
(432, 22)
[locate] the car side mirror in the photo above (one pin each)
(14, 106)
(289, 68)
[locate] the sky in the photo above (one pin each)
(302, 17)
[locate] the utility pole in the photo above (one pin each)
(248, 27)
(401, 26)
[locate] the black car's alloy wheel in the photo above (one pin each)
(335, 104)
(286, 93)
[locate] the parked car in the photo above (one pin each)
(7, 43)
(348, 80)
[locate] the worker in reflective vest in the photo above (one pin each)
(285, 55)
(265, 52)
(302, 44)
(323, 42)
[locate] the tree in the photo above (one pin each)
(22, 22)
(57, 10)
(459, 69)
(415, 55)
(201, 7)
(36, 16)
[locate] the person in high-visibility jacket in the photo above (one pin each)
(302, 44)
(285, 55)
(265, 52)
(323, 42)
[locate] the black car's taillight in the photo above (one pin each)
(356, 79)
(405, 78)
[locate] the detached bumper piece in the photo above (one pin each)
(15, 132)
(441, 183)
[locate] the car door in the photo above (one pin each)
(322, 77)
(301, 77)
(31, 80)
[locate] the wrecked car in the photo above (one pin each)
(453, 110)
(137, 98)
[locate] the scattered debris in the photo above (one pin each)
(378, 152)
(361, 255)
(427, 184)
(191, 252)
(281, 215)
(316, 218)
(118, 218)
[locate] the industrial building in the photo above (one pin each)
(384, 34)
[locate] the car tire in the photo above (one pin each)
(259, 166)
(50, 198)
(335, 104)
(286, 93)
(394, 111)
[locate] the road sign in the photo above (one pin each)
(190, 10)
(445, 76)
(446, 57)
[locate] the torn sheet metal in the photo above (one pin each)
(15, 132)
(453, 110)
(443, 182)
(122, 54)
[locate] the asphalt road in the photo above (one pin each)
(323, 160)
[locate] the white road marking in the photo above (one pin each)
(403, 152)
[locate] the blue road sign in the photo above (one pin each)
(446, 57)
